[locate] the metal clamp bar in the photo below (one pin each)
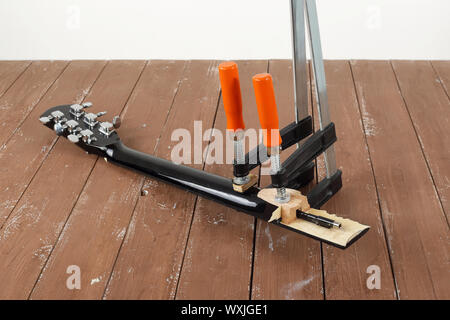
(325, 189)
(299, 59)
(320, 80)
(290, 135)
(318, 143)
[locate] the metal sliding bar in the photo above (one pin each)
(299, 59)
(320, 80)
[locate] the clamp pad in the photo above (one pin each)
(244, 187)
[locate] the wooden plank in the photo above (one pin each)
(415, 223)
(442, 68)
(24, 153)
(218, 259)
(345, 271)
(10, 71)
(429, 108)
(287, 265)
(26, 92)
(149, 261)
(31, 231)
(100, 218)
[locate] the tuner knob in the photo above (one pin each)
(101, 114)
(71, 125)
(117, 122)
(76, 110)
(73, 138)
(44, 120)
(57, 115)
(90, 119)
(106, 128)
(87, 104)
(87, 135)
(76, 107)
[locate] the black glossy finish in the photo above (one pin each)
(311, 149)
(200, 182)
(300, 168)
(290, 135)
(324, 190)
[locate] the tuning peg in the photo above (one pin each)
(117, 122)
(87, 104)
(57, 115)
(106, 128)
(44, 120)
(87, 136)
(72, 125)
(76, 110)
(73, 138)
(90, 119)
(101, 114)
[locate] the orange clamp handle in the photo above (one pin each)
(267, 109)
(231, 95)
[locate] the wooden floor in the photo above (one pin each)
(61, 207)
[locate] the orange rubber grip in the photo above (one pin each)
(231, 95)
(267, 109)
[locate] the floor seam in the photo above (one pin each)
(380, 210)
(422, 148)
(60, 233)
(444, 87)
(85, 182)
(405, 104)
(196, 198)
(17, 78)
(255, 226)
(19, 125)
(50, 149)
(141, 186)
(76, 200)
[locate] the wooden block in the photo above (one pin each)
(340, 236)
(288, 211)
(245, 187)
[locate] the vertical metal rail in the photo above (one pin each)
(299, 59)
(320, 80)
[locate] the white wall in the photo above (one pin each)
(218, 29)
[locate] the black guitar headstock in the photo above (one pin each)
(81, 127)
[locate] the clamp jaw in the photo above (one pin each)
(298, 170)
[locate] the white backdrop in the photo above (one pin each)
(218, 29)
